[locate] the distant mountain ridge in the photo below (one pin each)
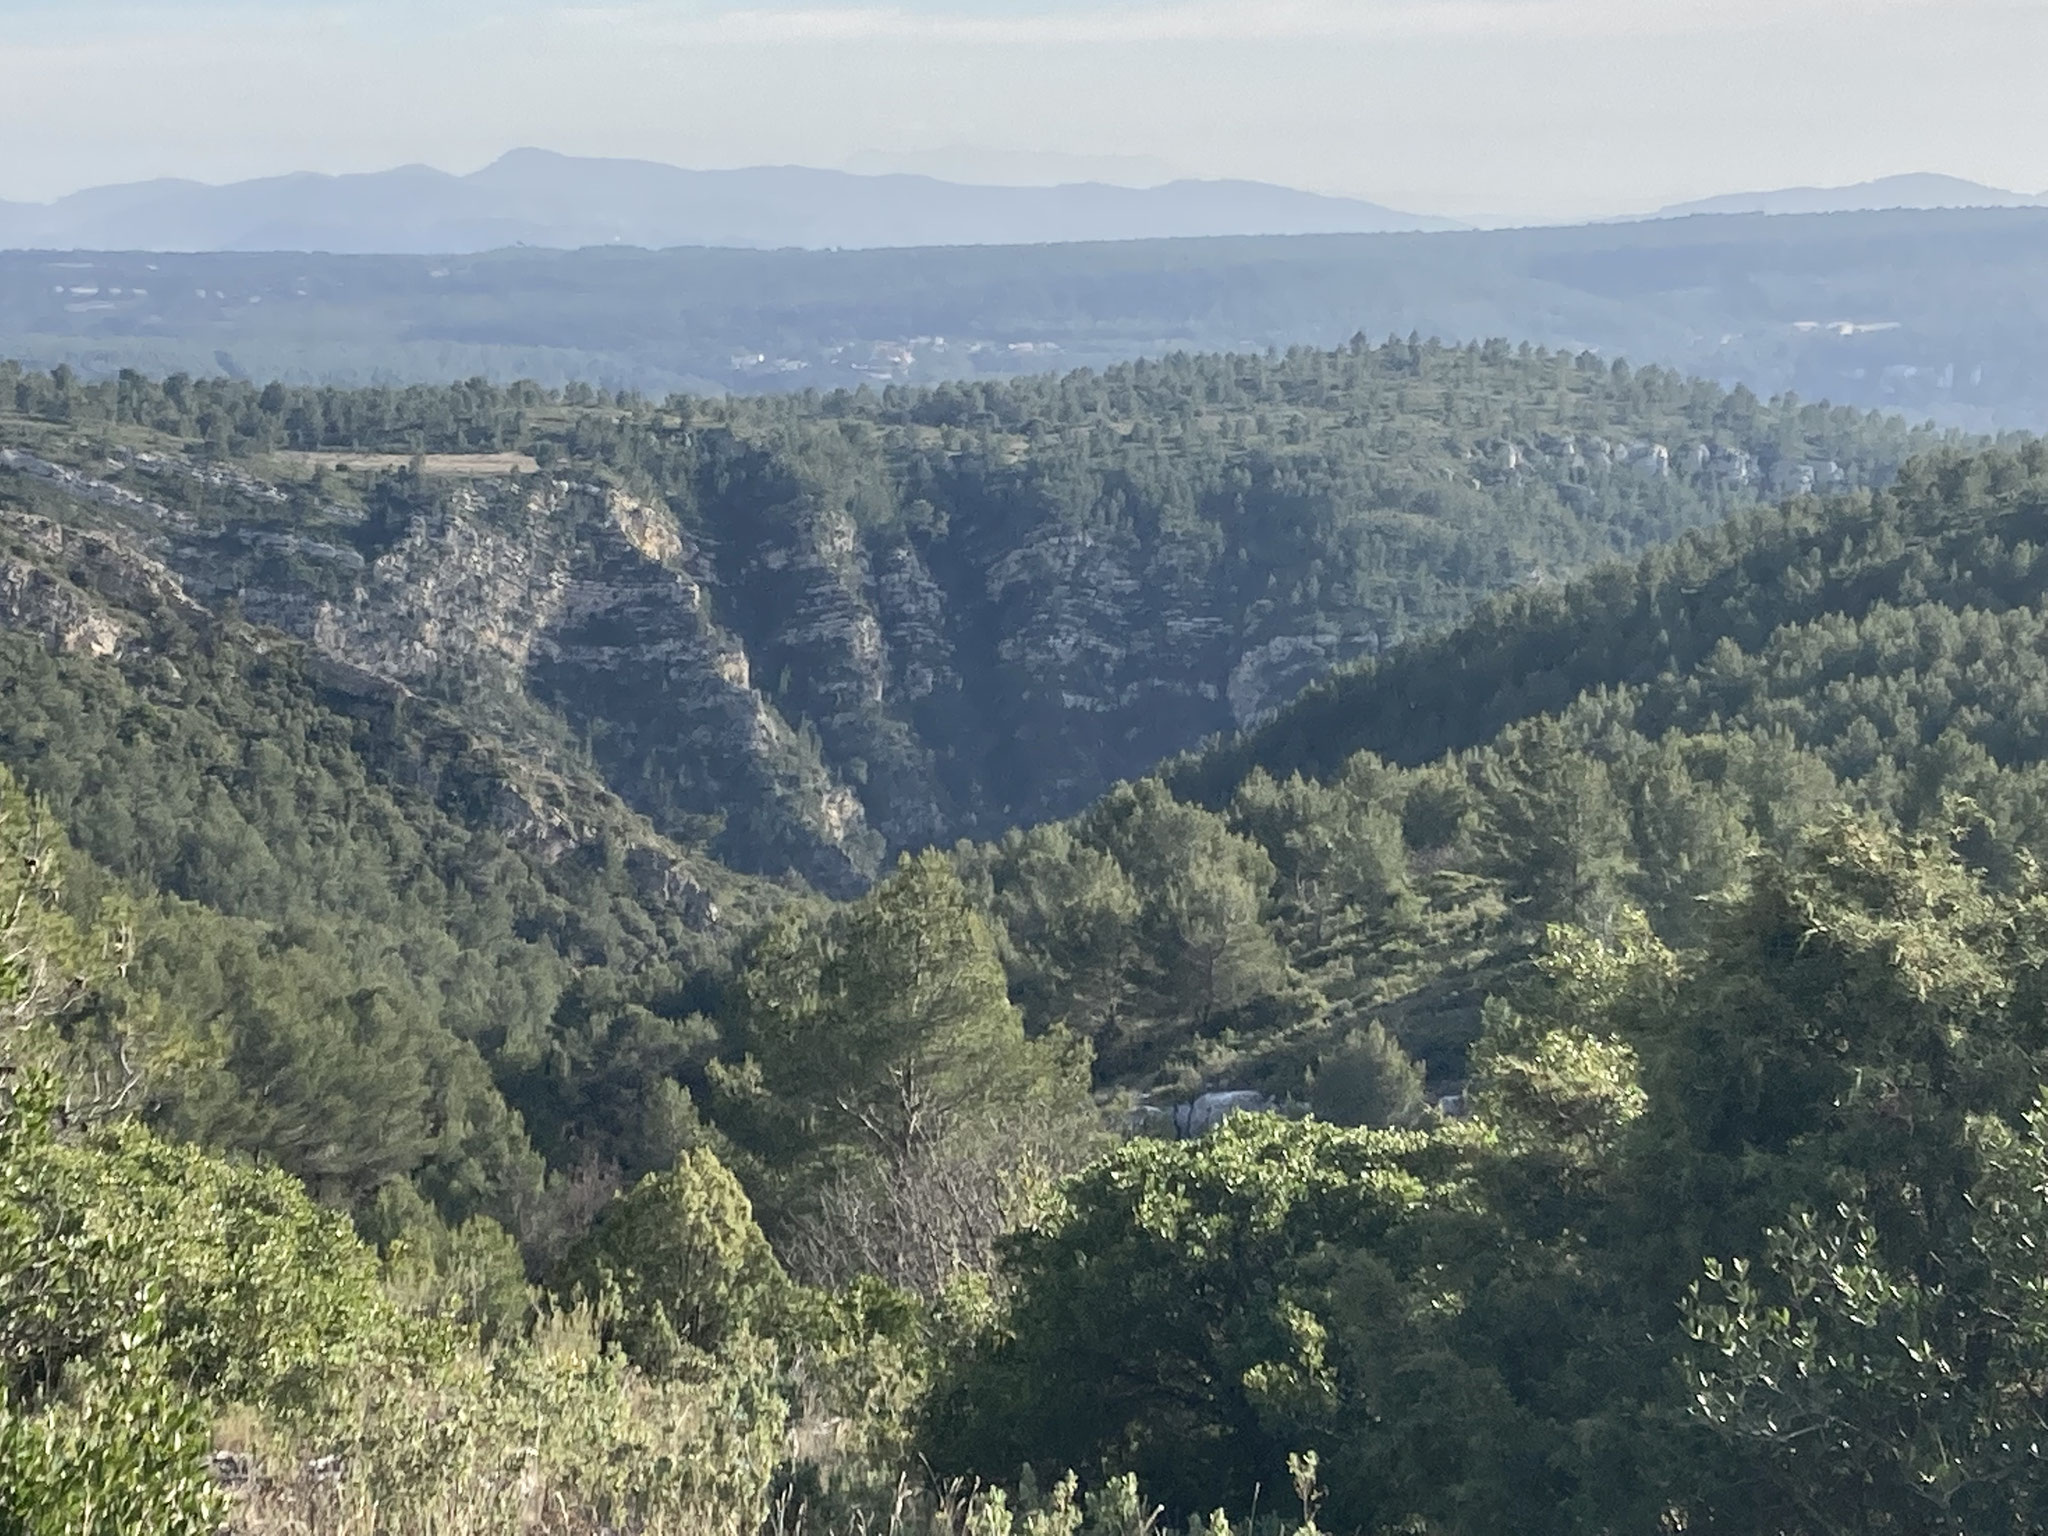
(538, 198)
(1921, 190)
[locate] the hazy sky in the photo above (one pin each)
(1521, 107)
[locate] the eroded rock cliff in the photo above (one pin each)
(801, 635)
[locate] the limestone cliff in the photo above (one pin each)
(801, 636)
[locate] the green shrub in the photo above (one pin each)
(470, 1274)
(142, 1287)
(121, 1450)
(1161, 1316)
(1369, 1080)
(676, 1267)
(254, 1292)
(553, 1432)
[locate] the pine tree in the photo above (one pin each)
(1555, 832)
(882, 1029)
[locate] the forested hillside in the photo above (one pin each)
(443, 885)
(1634, 737)
(1711, 628)
(812, 631)
(445, 1114)
(1706, 879)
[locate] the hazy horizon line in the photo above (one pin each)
(1450, 208)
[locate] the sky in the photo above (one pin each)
(1514, 108)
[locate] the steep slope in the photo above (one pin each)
(640, 647)
(375, 937)
(1408, 831)
(1956, 532)
(805, 633)
(411, 776)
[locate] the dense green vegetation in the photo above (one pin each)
(1735, 1232)
(1632, 739)
(361, 984)
(1739, 1237)
(373, 974)
(1644, 979)
(1805, 616)
(977, 606)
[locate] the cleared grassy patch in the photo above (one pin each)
(463, 465)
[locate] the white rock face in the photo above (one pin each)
(1201, 1116)
(1269, 675)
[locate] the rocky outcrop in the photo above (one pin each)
(96, 592)
(66, 619)
(590, 603)
(772, 681)
(1269, 675)
(837, 637)
(82, 591)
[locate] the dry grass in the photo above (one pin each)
(471, 466)
(513, 1507)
